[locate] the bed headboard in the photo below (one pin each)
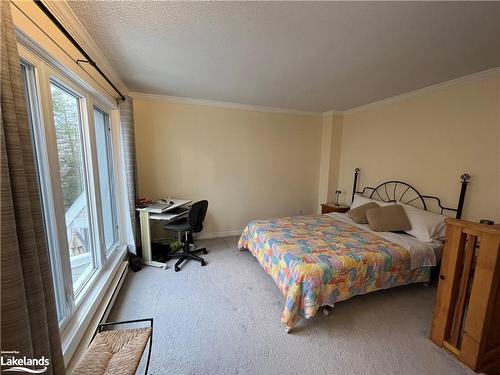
(393, 191)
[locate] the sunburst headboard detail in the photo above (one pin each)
(399, 191)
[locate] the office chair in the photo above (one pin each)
(192, 224)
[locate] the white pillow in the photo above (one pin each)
(425, 225)
(360, 200)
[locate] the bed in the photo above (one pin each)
(319, 260)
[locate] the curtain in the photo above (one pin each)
(130, 169)
(29, 320)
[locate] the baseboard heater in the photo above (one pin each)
(122, 272)
(101, 314)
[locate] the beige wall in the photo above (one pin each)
(428, 140)
(331, 136)
(247, 164)
(335, 154)
(253, 165)
(325, 160)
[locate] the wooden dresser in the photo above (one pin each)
(466, 317)
(331, 207)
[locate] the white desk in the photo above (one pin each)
(145, 216)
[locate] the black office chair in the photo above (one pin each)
(192, 224)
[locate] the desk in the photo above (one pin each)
(144, 218)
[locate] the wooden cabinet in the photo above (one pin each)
(331, 207)
(466, 317)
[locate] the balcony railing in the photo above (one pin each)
(77, 230)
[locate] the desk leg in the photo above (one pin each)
(145, 236)
(147, 255)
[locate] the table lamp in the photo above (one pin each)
(337, 193)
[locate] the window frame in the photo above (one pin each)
(94, 228)
(112, 167)
(45, 184)
(75, 308)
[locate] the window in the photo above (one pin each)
(72, 140)
(69, 137)
(106, 182)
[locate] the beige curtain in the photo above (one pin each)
(29, 320)
(126, 108)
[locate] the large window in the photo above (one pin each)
(72, 139)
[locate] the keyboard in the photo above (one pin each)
(158, 208)
(178, 210)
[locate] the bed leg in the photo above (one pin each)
(326, 310)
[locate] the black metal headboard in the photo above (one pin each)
(393, 191)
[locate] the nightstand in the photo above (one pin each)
(331, 207)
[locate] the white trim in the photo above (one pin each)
(80, 260)
(454, 82)
(76, 310)
(31, 46)
(100, 315)
(46, 186)
(221, 104)
(66, 16)
(231, 105)
(62, 11)
(80, 320)
(229, 233)
(332, 113)
(125, 226)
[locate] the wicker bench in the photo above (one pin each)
(116, 351)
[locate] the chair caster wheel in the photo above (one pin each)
(205, 251)
(203, 264)
(177, 269)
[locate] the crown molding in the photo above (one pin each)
(65, 15)
(454, 82)
(332, 113)
(62, 11)
(220, 104)
(211, 103)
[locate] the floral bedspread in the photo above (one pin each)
(317, 261)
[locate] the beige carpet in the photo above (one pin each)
(224, 318)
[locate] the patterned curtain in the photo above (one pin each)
(29, 319)
(128, 146)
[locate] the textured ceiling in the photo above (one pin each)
(313, 56)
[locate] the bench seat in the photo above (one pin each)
(114, 352)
